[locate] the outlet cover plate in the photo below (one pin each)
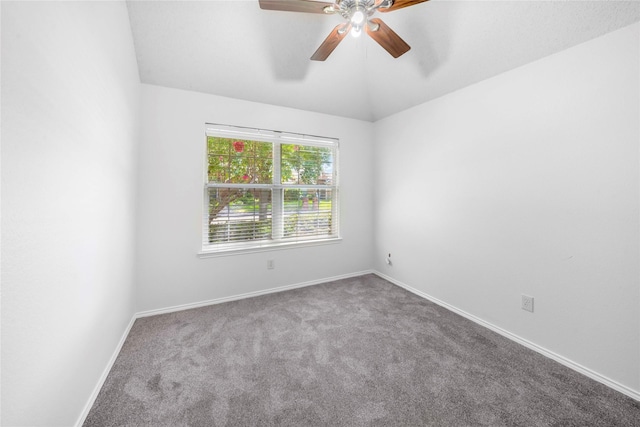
(527, 303)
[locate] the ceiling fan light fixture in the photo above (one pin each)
(329, 9)
(344, 29)
(385, 4)
(358, 17)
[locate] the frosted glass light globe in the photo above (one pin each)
(358, 17)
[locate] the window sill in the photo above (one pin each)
(211, 253)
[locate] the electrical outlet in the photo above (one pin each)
(527, 303)
(271, 264)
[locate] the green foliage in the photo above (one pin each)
(240, 231)
(239, 162)
(233, 161)
(251, 162)
(302, 164)
(307, 223)
(237, 214)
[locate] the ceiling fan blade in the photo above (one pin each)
(387, 38)
(307, 6)
(399, 4)
(329, 44)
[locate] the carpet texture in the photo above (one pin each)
(354, 352)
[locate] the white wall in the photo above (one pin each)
(526, 183)
(170, 197)
(70, 103)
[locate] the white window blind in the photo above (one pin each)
(267, 188)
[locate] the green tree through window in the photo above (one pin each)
(266, 191)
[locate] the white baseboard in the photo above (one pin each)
(634, 394)
(558, 358)
(103, 377)
(181, 307)
(247, 295)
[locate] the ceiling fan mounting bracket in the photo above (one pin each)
(347, 8)
(385, 4)
(344, 29)
(358, 15)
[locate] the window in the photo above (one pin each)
(267, 189)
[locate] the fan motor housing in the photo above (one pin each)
(348, 7)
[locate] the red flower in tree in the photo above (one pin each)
(296, 148)
(238, 146)
(245, 177)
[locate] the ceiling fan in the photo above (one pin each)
(357, 14)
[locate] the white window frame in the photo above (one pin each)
(277, 242)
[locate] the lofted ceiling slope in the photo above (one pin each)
(233, 48)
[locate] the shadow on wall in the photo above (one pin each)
(429, 35)
(293, 37)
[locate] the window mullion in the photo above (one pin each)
(246, 210)
(277, 204)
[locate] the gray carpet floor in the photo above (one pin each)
(354, 352)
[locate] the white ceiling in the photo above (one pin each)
(233, 48)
